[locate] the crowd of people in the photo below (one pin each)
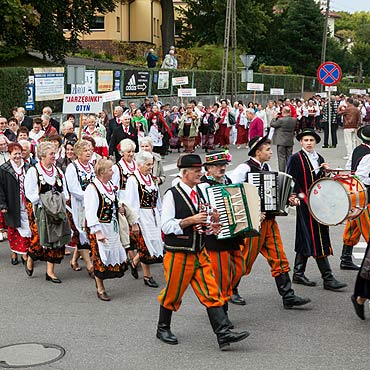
(93, 188)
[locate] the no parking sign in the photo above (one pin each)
(329, 73)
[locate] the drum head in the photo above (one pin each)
(328, 202)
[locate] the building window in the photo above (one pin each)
(118, 24)
(98, 24)
(178, 28)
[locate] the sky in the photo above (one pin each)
(350, 6)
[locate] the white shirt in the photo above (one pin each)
(170, 224)
(239, 174)
(314, 159)
(363, 170)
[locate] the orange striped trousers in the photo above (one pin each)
(182, 269)
(355, 228)
(270, 245)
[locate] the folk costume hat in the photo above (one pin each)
(217, 157)
(255, 143)
(189, 160)
(364, 133)
(309, 132)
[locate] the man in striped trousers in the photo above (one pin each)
(186, 262)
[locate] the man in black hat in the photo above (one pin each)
(222, 253)
(312, 238)
(186, 261)
(361, 226)
(269, 242)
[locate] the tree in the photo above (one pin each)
(62, 23)
(15, 19)
(295, 36)
(205, 20)
(168, 25)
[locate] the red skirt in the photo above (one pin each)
(18, 243)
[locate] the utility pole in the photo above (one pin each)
(230, 23)
(325, 32)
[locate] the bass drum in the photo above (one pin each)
(333, 200)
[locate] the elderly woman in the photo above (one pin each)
(101, 207)
(98, 132)
(46, 189)
(158, 173)
(13, 203)
(142, 195)
(188, 128)
(79, 174)
(121, 171)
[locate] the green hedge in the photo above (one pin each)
(13, 81)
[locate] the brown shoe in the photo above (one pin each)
(103, 296)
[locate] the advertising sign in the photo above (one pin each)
(49, 83)
(255, 87)
(179, 81)
(275, 91)
(187, 93)
(90, 84)
(105, 81)
(163, 80)
(136, 83)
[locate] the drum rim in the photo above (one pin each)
(309, 206)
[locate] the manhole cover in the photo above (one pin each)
(29, 354)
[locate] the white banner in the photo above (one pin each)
(187, 93)
(89, 87)
(331, 88)
(357, 91)
(163, 80)
(178, 81)
(111, 96)
(82, 103)
(255, 87)
(49, 83)
(276, 91)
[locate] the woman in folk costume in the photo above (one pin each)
(242, 126)
(312, 238)
(101, 211)
(188, 128)
(46, 188)
(142, 195)
(121, 171)
(98, 132)
(13, 203)
(78, 175)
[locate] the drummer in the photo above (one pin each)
(312, 238)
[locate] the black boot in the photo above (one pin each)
(164, 326)
(299, 277)
(236, 298)
(218, 321)
(290, 300)
(229, 323)
(346, 259)
(330, 282)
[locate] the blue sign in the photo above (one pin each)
(30, 91)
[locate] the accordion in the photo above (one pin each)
(274, 189)
(239, 208)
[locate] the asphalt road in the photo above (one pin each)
(121, 334)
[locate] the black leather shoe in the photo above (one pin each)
(14, 261)
(149, 281)
(165, 334)
(334, 284)
(237, 299)
(302, 279)
(359, 308)
(325, 146)
(225, 339)
(295, 302)
(28, 271)
(133, 269)
(53, 280)
(348, 265)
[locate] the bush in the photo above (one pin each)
(13, 83)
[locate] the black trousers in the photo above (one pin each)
(334, 128)
(362, 286)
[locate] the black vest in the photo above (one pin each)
(211, 242)
(255, 167)
(106, 207)
(190, 241)
(358, 153)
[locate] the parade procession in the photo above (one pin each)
(107, 207)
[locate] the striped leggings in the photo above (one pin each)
(355, 228)
(182, 269)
